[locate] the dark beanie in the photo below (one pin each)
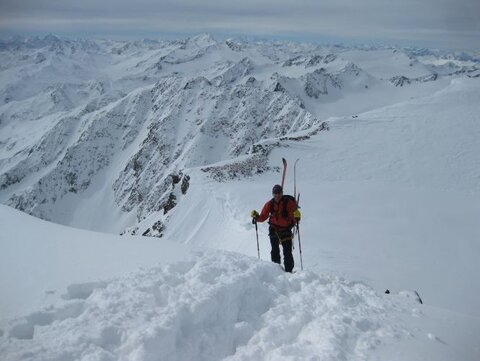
(277, 189)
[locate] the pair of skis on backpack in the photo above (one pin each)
(297, 198)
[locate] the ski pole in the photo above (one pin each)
(284, 161)
(299, 245)
(254, 221)
(295, 179)
(298, 234)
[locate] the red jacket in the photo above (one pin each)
(281, 214)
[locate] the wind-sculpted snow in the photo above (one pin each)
(218, 306)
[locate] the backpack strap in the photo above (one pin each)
(283, 204)
(272, 202)
(285, 200)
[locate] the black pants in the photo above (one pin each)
(284, 238)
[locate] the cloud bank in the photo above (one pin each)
(435, 23)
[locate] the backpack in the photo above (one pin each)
(283, 204)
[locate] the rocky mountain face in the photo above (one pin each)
(132, 118)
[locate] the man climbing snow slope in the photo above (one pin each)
(282, 214)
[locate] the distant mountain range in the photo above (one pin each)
(118, 125)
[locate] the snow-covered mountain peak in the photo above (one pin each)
(202, 40)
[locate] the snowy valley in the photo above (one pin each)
(177, 141)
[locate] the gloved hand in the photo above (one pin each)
(254, 214)
(297, 215)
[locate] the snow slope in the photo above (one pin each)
(38, 259)
(390, 198)
(218, 305)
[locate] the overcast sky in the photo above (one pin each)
(453, 24)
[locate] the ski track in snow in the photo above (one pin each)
(217, 306)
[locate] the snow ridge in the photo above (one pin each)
(218, 306)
